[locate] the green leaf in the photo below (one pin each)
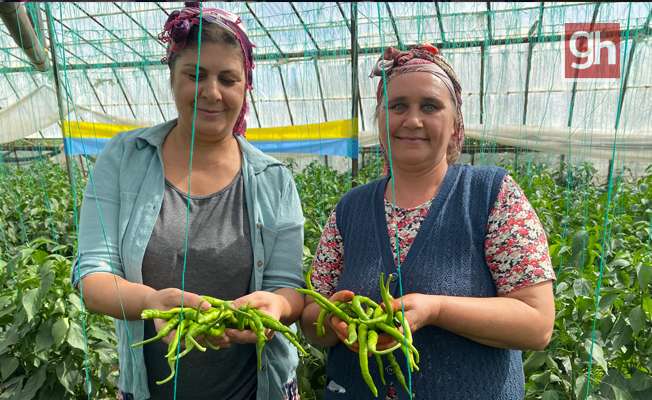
(550, 395)
(621, 337)
(620, 393)
(637, 319)
(4, 300)
(644, 275)
(8, 366)
(31, 303)
(580, 240)
(46, 283)
(12, 388)
(647, 305)
(607, 300)
(619, 263)
(640, 381)
(580, 387)
(33, 384)
(598, 354)
(75, 300)
(75, 336)
(39, 256)
(542, 378)
(68, 375)
(534, 361)
(10, 338)
(44, 337)
(46, 268)
(581, 287)
(642, 188)
(60, 331)
(7, 310)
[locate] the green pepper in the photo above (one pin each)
(165, 330)
(384, 293)
(353, 335)
(260, 334)
(397, 370)
(326, 304)
(364, 361)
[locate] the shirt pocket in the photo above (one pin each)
(269, 238)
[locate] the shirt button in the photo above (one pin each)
(260, 263)
(389, 370)
(264, 368)
(258, 225)
(394, 277)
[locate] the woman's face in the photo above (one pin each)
(421, 120)
(220, 90)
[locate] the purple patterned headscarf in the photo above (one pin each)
(178, 26)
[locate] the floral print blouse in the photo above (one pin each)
(515, 245)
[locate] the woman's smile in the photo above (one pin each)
(412, 139)
(209, 113)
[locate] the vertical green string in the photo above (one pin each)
(54, 46)
(391, 174)
(74, 202)
(606, 218)
(192, 145)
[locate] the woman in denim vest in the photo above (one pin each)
(476, 278)
(235, 231)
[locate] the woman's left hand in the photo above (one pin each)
(420, 310)
(265, 302)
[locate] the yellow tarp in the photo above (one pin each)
(327, 130)
(93, 130)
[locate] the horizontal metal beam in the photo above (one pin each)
(21, 147)
(345, 52)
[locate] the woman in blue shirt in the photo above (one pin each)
(240, 237)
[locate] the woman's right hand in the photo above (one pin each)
(167, 299)
(385, 340)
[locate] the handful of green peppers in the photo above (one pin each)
(191, 323)
(365, 318)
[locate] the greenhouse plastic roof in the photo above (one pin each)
(506, 55)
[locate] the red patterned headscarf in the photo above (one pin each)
(178, 26)
(423, 58)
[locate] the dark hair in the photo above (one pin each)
(210, 33)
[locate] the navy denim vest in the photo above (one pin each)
(446, 258)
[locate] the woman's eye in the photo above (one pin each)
(193, 77)
(228, 82)
(399, 107)
(429, 107)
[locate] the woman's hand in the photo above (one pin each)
(167, 299)
(420, 310)
(265, 302)
(341, 328)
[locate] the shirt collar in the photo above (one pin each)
(155, 136)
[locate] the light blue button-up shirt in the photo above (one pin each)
(121, 205)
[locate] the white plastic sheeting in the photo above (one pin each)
(39, 110)
(496, 102)
(633, 145)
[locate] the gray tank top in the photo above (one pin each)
(219, 264)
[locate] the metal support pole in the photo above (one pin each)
(354, 80)
(57, 85)
(285, 94)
